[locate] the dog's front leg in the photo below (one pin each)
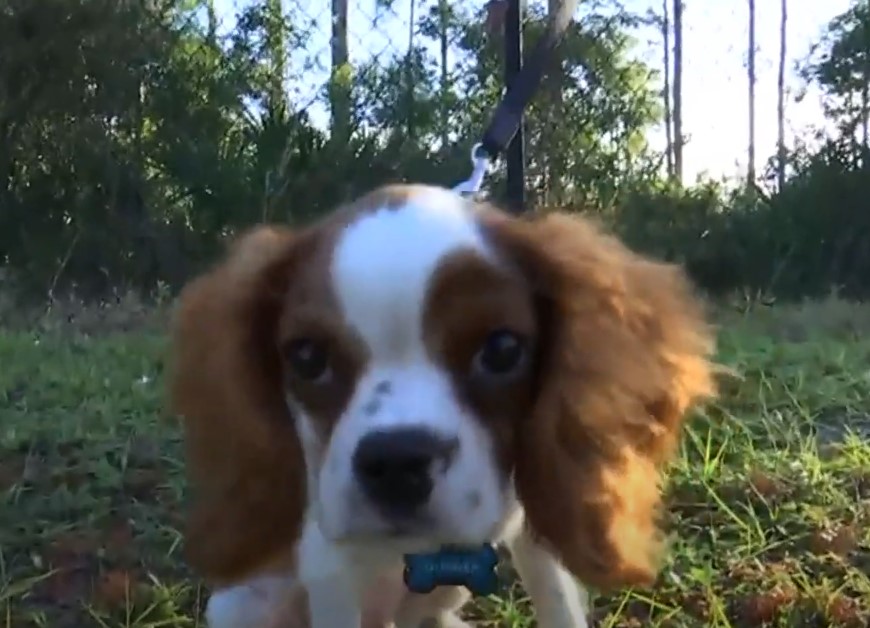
(559, 600)
(333, 592)
(333, 604)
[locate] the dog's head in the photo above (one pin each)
(405, 369)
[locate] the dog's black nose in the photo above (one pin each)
(394, 467)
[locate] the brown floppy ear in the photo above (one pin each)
(244, 461)
(626, 352)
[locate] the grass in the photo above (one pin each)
(769, 502)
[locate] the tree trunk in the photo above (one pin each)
(750, 167)
(666, 92)
(554, 193)
(865, 116)
(678, 90)
(212, 21)
(410, 95)
(443, 36)
(339, 85)
(780, 98)
(277, 55)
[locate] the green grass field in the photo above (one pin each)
(769, 502)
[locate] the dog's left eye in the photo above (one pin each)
(502, 353)
(308, 358)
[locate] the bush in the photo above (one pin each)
(803, 241)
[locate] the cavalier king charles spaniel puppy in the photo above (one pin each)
(415, 370)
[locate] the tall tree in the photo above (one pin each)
(409, 72)
(750, 68)
(441, 24)
(840, 65)
(339, 85)
(276, 43)
(678, 90)
(444, 15)
(129, 140)
(211, 21)
(780, 97)
(554, 190)
(666, 92)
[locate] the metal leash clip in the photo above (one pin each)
(480, 163)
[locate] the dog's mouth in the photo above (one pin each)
(415, 534)
(408, 528)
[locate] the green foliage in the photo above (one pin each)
(806, 239)
(135, 137)
(809, 238)
(840, 65)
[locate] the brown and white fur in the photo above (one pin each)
(524, 378)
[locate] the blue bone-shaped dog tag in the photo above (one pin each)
(473, 568)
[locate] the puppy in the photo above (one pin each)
(418, 369)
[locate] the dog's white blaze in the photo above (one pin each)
(384, 261)
(382, 269)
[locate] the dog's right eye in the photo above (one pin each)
(308, 358)
(503, 353)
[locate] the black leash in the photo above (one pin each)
(508, 116)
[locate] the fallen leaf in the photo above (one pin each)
(71, 477)
(698, 605)
(840, 540)
(119, 535)
(11, 469)
(65, 586)
(143, 451)
(70, 548)
(765, 485)
(115, 589)
(142, 483)
(766, 607)
(846, 612)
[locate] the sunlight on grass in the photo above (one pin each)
(768, 503)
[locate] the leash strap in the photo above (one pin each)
(508, 116)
